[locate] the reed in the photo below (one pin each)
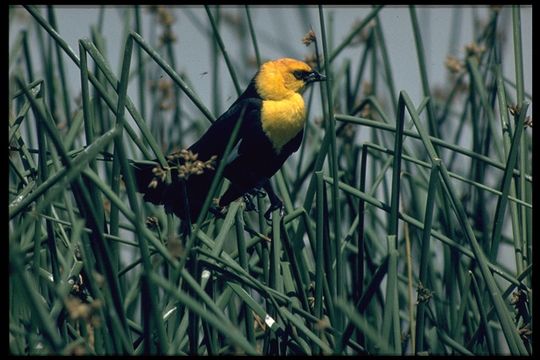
(397, 238)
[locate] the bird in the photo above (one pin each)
(273, 116)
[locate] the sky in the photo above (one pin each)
(280, 30)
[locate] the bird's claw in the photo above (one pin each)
(218, 211)
(268, 213)
(250, 206)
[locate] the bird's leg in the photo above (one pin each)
(248, 197)
(275, 201)
(216, 209)
(248, 200)
(232, 193)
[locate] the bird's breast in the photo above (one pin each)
(283, 119)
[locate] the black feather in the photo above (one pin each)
(255, 163)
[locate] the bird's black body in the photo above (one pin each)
(250, 165)
(272, 113)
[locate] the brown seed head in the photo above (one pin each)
(309, 38)
(453, 64)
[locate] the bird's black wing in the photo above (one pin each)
(215, 139)
(293, 145)
(254, 162)
(213, 142)
(255, 158)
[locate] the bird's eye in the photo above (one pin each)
(298, 74)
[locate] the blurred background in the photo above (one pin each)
(367, 75)
(446, 31)
(184, 34)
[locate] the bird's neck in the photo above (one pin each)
(283, 119)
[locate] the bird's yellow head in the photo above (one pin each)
(281, 78)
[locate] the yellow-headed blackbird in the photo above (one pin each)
(273, 115)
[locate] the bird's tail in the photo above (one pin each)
(158, 192)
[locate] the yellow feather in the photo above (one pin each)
(283, 113)
(275, 80)
(283, 119)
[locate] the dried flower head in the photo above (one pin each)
(424, 294)
(77, 309)
(165, 86)
(159, 172)
(85, 311)
(164, 105)
(174, 155)
(196, 168)
(77, 285)
(166, 89)
(525, 332)
(190, 164)
(186, 164)
(188, 155)
(165, 16)
(453, 64)
(153, 184)
(258, 323)
(518, 297)
(152, 222)
(514, 110)
(309, 38)
(473, 49)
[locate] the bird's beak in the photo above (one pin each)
(314, 76)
